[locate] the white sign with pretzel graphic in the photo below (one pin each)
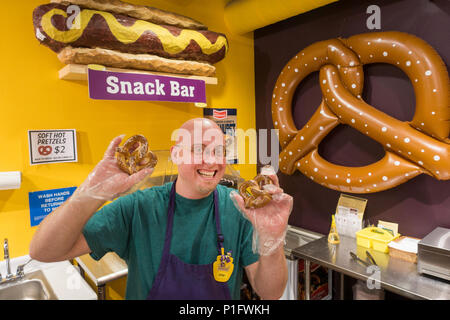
(52, 146)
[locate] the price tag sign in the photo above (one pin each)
(226, 119)
(52, 146)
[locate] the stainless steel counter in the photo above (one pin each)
(110, 267)
(296, 237)
(392, 274)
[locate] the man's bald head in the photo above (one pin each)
(206, 123)
(197, 128)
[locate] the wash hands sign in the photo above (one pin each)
(42, 203)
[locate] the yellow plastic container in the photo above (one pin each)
(376, 238)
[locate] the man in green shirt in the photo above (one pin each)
(171, 235)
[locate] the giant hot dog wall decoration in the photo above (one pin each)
(122, 35)
(412, 148)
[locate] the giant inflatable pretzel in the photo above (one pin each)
(412, 148)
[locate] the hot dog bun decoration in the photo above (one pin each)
(412, 148)
(117, 34)
(134, 155)
(139, 12)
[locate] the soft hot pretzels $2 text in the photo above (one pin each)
(412, 148)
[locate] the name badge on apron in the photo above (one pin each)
(223, 267)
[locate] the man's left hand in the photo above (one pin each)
(270, 222)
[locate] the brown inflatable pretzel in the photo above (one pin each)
(412, 148)
(134, 155)
(253, 193)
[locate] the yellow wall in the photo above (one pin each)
(32, 98)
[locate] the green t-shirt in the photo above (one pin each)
(134, 227)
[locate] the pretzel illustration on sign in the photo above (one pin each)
(412, 148)
(45, 150)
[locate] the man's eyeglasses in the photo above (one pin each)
(200, 150)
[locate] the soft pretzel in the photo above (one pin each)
(134, 155)
(253, 192)
(262, 180)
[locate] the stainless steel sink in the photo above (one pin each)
(33, 286)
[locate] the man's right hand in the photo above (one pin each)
(59, 236)
(107, 181)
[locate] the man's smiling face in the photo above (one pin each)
(200, 157)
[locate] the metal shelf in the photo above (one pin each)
(79, 72)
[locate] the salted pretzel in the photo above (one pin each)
(134, 155)
(412, 148)
(253, 192)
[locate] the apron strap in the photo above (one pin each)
(220, 237)
(170, 214)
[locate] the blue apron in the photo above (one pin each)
(177, 280)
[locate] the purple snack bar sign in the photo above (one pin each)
(107, 85)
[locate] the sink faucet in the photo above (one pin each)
(20, 272)
(9, 275)
(20, 269)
